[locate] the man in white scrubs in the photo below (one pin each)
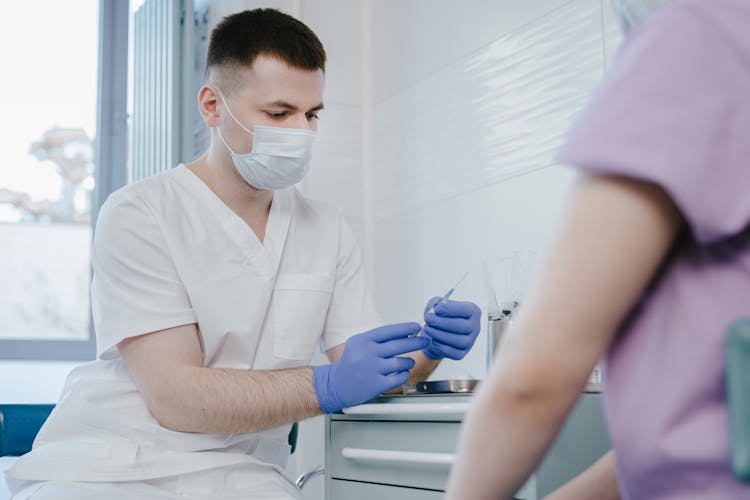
(213, 284)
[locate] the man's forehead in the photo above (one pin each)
(273, 81)
(287, 104)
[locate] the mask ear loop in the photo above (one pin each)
(232, 114)
(218, 130)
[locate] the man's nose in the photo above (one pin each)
(301, 121)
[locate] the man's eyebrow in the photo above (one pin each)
(292, 107)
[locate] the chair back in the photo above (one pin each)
(19, 425)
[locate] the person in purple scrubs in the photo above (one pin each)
(651, 266)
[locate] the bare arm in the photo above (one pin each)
(424, 367)
(615, 235)
(598, 482)
(184, 395)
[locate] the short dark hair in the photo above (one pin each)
(240, 38)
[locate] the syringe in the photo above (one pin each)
(448, 294)
(442, 299)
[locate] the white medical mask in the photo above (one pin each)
(631, 13)
(280, 157)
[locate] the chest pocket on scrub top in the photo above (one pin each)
(300, 306)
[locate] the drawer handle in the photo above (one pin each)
(409, 409)
(412, 457)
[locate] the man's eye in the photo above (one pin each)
(313, 116)
(281, 114)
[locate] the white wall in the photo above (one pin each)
(441, 122)
(471, 101)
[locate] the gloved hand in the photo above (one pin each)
(368, 367)
(452, 328)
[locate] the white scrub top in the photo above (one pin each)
(168, 252)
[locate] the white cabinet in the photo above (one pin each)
(402, 448)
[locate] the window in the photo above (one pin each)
(63, 144)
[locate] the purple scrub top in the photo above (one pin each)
(675, 111)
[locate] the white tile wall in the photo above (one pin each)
(221, 8)
(612, 33)
(463, 166)
(416, 38)
(498, 112)
(337, 24)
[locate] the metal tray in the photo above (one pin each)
(456, 386)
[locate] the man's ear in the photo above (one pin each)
(208, 98)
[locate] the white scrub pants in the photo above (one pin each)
(228, 483)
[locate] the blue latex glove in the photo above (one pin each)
(452, 328)
(369, 366)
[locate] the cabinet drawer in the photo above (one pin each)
(415, 454)
(347, 490)
(411, 454)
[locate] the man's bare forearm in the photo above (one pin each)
(423, 368)
(227, 401)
